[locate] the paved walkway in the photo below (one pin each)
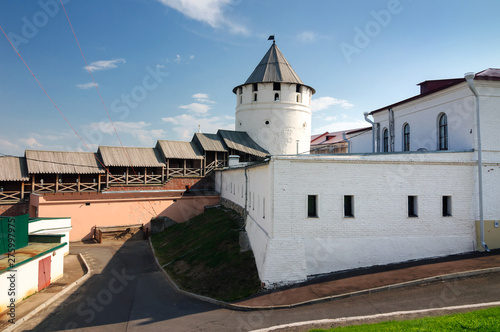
(372, 281)
(169, 307)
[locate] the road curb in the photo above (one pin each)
(56, 296)
(326, 323)
(457, 275)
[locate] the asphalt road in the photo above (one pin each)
(128, 293)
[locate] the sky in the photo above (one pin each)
(165, 67)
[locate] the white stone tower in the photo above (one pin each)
(274, 107)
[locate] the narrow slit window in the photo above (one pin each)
(255, 97)
(312, 206)
(263, 207)
(349, 206)
(412, 206)
(443, 132)
(446, 206)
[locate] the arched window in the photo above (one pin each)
(406, 137)
(276, 97)
(386, 140)
(298, 97)
(443, 132)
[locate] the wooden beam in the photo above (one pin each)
(184, 167)
(33, 183)
(98, 182)
(57, 182)
(79, 182)
(145, 175)
(107, 178)
(126, 176)
(163, 174)
(22, 190)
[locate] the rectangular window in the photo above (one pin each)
(276, 86)
(412, 206)
(312, 206)
(255, 87)
(349, 206)
(446, 206)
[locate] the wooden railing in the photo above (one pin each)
(117, 179)
(153, 179)
(86, 187)
(44, 187)
(67, 187)
(185, 172)
(10, 197)
(213, 165)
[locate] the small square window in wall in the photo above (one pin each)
(446, 206)
(349, 206)
(312, 206)
(412, 206)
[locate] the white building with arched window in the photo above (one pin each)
(414, 197)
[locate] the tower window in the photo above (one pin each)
(298, 88)
(298, 98)
(267, 122)
(241, 99)
(255, 96)
(255, 87)
(446, 206)
(239, 90)
(276, 97)
(443, 132)
(412, 206)
(276, 86)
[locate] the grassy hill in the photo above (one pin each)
(203, 256)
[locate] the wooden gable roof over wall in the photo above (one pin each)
(59, 162)
(210, 142)
(179, 150)
(240, 141)
(13, 169)
(131, 157)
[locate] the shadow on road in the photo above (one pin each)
(127, 290)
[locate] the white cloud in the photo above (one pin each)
(322, 103)
(87, 86)
(307, 36)
(196, 108)
(31, 142)
(203, 98)
(104, 64)
(140, 130)
(210, 12)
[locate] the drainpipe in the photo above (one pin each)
(469, 77)
(373, 130)
(344, 136)
(246, 200)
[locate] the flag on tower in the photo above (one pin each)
(271, 37)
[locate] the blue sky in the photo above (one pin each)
(163, 67)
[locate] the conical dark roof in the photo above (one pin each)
(273, 68)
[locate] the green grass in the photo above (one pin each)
(203, 256)
(481, 320)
